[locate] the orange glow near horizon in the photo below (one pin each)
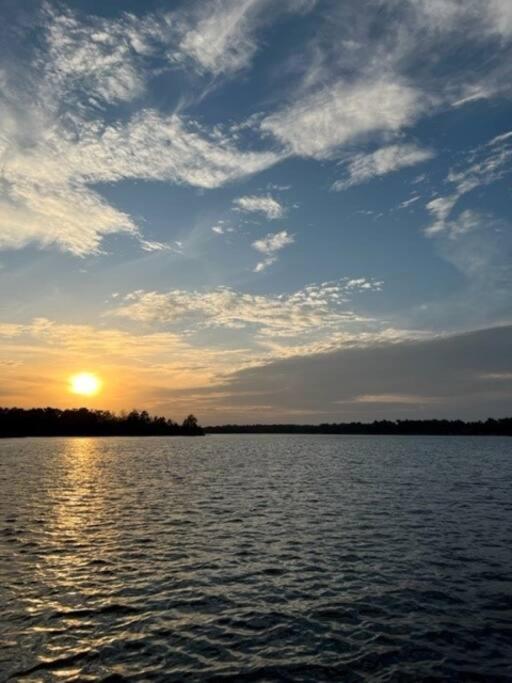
(85, 384)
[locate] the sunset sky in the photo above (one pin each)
(258, 210)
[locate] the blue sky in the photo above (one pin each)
(195, 193)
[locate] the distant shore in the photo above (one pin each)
(489, 427)
(20, 422)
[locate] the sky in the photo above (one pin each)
(258, 210)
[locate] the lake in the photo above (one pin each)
(261, 558)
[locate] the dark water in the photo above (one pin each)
(264, 558)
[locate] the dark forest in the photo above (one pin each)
(84, 422)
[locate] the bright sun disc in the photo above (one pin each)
(85, 384)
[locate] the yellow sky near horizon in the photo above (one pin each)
(158, 372)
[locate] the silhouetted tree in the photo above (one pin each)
(190, 425)
(84, 422)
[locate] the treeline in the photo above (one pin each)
(489, 427)
(85, 422)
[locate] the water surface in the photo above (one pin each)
(265, 558)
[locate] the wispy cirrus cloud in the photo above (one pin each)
(55, 143)
(320, 123)
(409, 202)
(493, 17)
(269, 246)
(361, 79)
(47, 195)
(220, 36)
(363, 167)
(484, 165)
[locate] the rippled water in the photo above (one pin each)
(265, 558)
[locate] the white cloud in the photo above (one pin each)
(473, 92)
(499, 14)
(68, 216)
(440, 208)
(265, 204)
(153, 245)
(56, 143)
(309, 315)
(506, 376)
(273, 242)
(99, 58)
(484, 165)
(270, 245)
(222, 40)
(158, 147)
(220, 35)
(408, 202)
(467, 221)
(263, 265)
(492, 17)
(47, 198)
(395, 398)
(488, 164)
(362, 283)
(320, 123)
(326, 112)
(364, 167)
(53, 146)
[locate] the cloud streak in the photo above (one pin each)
(269, 246)
(363, 167)
(483, 166)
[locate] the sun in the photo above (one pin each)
(85, 384)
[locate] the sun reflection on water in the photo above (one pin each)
(79, 531)
(79, 502)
